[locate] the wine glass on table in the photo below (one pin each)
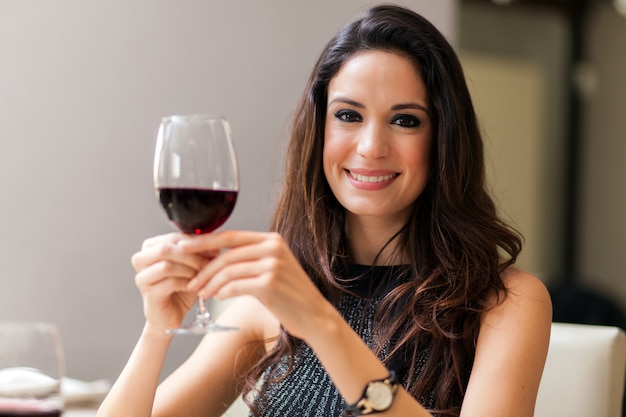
(196, 178)
(32, 366)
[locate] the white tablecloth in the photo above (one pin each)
(79, 412)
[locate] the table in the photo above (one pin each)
(79, 412)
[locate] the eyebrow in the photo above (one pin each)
(402, 106)
(346, 101)
(410, 106)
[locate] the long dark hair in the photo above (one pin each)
(457, 244)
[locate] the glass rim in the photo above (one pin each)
(24, 324)
(194, 117)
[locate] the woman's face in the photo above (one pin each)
(377, 135)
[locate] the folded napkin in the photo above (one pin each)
(22, 381)
(76, 392)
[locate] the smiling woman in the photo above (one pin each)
(79, 112)
(387, 281)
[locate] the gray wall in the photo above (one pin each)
(540, 36)
(602, 218)
(532, 185)
(83, 86)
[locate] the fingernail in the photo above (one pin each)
(192, 284)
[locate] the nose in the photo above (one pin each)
(372, 142)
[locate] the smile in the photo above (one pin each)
(374, 179)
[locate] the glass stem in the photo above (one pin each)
(202, 311)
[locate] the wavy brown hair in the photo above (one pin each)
(457, 244)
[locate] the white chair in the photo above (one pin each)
(584, 373)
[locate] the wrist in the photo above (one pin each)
(155, 333)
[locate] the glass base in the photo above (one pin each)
(202, 324)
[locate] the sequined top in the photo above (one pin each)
(307, 390)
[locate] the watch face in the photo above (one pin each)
(380, 395)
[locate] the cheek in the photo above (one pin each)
(332, 152)
(326, 159)
(423, 153)
(419, 159)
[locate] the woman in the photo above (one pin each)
(387, 266)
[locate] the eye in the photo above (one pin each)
(348, 116)
(406, 120)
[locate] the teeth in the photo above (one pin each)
(365, 178)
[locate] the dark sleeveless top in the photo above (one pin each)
(307, 390)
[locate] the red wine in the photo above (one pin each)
(195, 210)
(27, 409)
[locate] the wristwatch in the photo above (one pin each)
(377, 396)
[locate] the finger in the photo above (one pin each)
(161, 239)
(207, 254)
(221, 240)
(237, 288)
(268, 248)
(231, 273)
(161, 271)
(174, 239)
(167, 252)
(160, 293)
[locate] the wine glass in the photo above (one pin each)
(32, 365)
(196, 178)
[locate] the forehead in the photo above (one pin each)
(386, 73)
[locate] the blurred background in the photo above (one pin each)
(547, 77)
(83, 86)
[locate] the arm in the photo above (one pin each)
(351, 364)
(209, 380)
(511, 351)
(163, 272)
(133, 392)
(206, 383)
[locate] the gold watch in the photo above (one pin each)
(377, 396)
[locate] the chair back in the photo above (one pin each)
(584, 372)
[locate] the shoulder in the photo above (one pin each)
(516, 330)
(525, 291)
(527, 301)
(516, 279)
(518, 325)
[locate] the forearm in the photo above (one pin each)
(133, 392)
(351, 364)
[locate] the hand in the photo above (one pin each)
(163, 273)
(261, 265)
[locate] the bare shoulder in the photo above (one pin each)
(527, 291)
(526, 309)
(516, 278)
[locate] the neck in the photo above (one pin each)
(367, 238)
